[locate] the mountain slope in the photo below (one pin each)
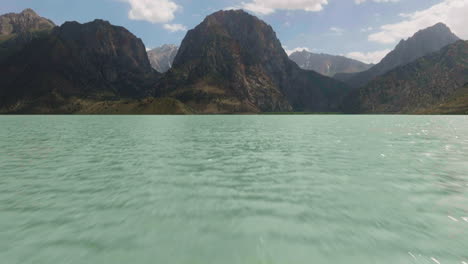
(420, 44)
(327, 65)
(233, 62)
(424, 84)
(457, 104)
(16, 30)
(94, 60)
(161, 58)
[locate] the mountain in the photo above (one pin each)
(233, 62)
(94, 61)
(327, 65)
(422, 43)
(161, 58)
(435, 83)
(16, 30)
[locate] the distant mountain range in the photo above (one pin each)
(161, 58)
(232, 62)
(326, 64)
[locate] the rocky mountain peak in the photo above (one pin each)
(26, 21)
(430, 38)
(253, 38)
(29, 12)
(234, 62)
(422, 43)
(439, 28)
(162, 58)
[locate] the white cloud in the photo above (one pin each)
(154, 11)
(451, 12)
(174, 27)
(368, 57)
(265, 7)
(291, 51)
(377, 1)
(337, 31)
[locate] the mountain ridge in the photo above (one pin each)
(91, 60)
(232, 62)
(419, 86)
(422, 43)
(326, 64)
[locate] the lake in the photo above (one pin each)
(233, 189)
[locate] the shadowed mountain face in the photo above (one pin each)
(420, 44)
(327, 65)
(161, 58)
(421, 86)
(16, 30)
(233, 62)
(92, 60)
(457, 104)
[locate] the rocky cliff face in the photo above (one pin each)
(233, 62)
(16, 30)
(92, 60)
(327, 65)
(424, 84)
(422, 43)
(161, 58)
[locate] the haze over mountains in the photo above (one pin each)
(232, 62)
(326, 64)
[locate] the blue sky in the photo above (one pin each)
(362, 29)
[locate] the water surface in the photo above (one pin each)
(233, 189)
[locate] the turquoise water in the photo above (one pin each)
(233, 189)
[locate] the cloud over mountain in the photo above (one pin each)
(451, 12)
(368, 57)
(154, 11)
